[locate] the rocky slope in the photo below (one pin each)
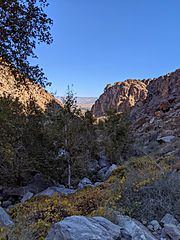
(156, 120)
(154, 108)
(8, 86)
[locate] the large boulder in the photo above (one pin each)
(172, 231)
(110, 170)
(51, 190)
(169, 219)
(5, 219)
(84, 228)
(84, 183)
(106, 172)
(133, 229)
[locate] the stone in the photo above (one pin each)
(102, 173)
(172, 231)
(133, 229)
(166, 139)
(84, 183)
(51, 190)
(110, 171)
(155, 225)
(169, 219)
(27, 196)
(84, 228)
(103, 162)
(5, 219)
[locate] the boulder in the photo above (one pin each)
(5, 219)
(133, 229)
(103, 162)
(154, 225)
(110, 171)
(51, 190)
(84, 183)
(84, 228)
(169, 219)
(102, 173)
(166, 139)
(106, 172)
(172, 231)
(27, 196)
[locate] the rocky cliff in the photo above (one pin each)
(9, 86)
(120, 96)
(156, 120)
(154, 108)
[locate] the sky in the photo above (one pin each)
(97, 42)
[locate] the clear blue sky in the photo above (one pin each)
(103, 41)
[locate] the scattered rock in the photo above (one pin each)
(84, 228)
(51, 190)
(172, 231)
(133, 229)
(169, 219)
(84, 183)
(5, 219)
(27, 196)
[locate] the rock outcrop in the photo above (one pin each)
(9, 86)
(120, 97)
(154, 109)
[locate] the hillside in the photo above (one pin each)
(9, 86)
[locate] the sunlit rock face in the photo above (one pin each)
(120, 97)
(9, 86)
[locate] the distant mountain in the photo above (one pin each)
(85, 103)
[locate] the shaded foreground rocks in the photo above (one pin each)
(126, 228)
(84, 228)
(133, 229)
(5, 219)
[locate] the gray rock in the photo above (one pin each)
(172, 231)
(5, 219)
(84, 228)
(51, 190)
(110, 171)
(84, 183)
(133, 229)
(103, 162)
(155, 225)
(169, 219)
(106, 172)
(102, 173)
(166, 139)
(27, 196)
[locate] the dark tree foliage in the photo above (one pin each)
(23, 25)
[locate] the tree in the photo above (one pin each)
(23, 25)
